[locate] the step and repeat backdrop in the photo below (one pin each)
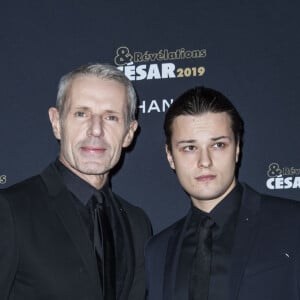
(248, 50)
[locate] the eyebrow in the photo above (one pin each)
(106, 111)
(81, 107)
(214, 139)
(113, 112)
(221, 137)
(185, 142)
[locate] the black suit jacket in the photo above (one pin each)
(265, 259)
(45, 253)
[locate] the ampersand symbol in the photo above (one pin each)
(123, 56)
(274, 170)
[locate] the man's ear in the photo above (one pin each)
(55, 122)
(130, 134)
(170, 157)
(237, 152)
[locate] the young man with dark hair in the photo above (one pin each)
(234, 244)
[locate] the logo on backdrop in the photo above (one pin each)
(155, 105)
(149, 65)
(3, 179)
(162, 64)
(282, 177)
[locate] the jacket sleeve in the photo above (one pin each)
(8, 253)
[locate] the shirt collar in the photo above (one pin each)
(82, 190)
(226, 208)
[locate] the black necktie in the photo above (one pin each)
(104, 247)
(200, 274)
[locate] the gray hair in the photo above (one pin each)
(102, 71)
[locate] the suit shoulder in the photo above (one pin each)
(136, 215)
(164, 235)
(130, 208)
(281, 205)
(28, 186)
(273, 205)
(8, 248)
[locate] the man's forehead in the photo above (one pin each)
(96, 93)
(209, 126)
(85, 79)
(87, 85)
(208, 118)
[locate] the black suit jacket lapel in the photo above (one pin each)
(127, 246)
(62, 204)
(246, 232)
(172, 257)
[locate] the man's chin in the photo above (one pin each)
(210, 196)
(92, 168)
(91, 171)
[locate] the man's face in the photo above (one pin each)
(204, 155)
(93, 128)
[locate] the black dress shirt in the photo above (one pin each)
(225, 217)
(81, 192)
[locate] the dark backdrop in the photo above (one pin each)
(246, 49)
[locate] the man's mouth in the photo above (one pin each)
(206, 178)
(93, 149)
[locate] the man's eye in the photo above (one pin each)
(80, 114)
(219, 145)
(189, 148)
(112, 118)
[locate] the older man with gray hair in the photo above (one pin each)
(63, 233)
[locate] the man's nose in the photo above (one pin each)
(204, 160)
(95, 126)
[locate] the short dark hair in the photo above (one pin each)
(201, 100)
